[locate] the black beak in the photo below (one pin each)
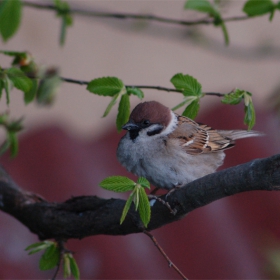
(131, 126)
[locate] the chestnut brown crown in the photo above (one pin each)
(151, 111)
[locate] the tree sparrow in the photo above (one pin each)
(170, 150)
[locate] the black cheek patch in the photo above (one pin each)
(155, 131)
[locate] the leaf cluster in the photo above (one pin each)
(235, 97)
(36, 83)
(138, 195)
(53, 255)
(115, 88)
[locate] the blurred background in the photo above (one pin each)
(68, 148)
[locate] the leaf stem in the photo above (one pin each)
(170, 263)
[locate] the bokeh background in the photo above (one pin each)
(68, 148)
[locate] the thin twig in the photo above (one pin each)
(170, 263)
(131, 16)
(81, 82)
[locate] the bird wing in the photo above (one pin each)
(197, 138)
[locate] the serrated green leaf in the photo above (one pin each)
(50, 258)
(233, 98)
(250, 116)
(258, 7)
(19, 79)
(10, 17)
(111, 104)
(143, 182)
(186, 83)
(144, 207)
(135, 91)
(127, 206)
(191, 110)
(106, 86)
(74, 268)
(123, 112)
(203, 6)
(30, 95)
(117, 184)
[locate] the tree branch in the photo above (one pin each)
(83, 216)
(81, 82)
(89, 13)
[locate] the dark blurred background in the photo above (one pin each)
(67, 149)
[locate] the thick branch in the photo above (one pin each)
(84, 216)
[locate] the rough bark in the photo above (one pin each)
(90, 215)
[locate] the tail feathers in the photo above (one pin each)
(238, 134)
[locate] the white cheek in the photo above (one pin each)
(172, 125)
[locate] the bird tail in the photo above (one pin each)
(238, 134)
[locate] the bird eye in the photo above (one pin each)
(146, 122)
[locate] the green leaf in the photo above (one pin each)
(225, 32)
(127, 206)
(258, 7)
(203, 6)
(187, 101)
(111, 104)
(13, 143)
(48, 88)
(136, 196)
(143, 182)
(14, 126)
(191, 110)
(19, 79)
(117, 184)
(8, 86)
(106, 86)
(13, 53)
(1, 87)
(234, 97)
(144, 207)
(74, 267)
(66, 266)
(187, 84)
(250, 116)
(38, 246)
(124, 111)
(30, 95)
(50, 258)
(10, 17)
(135, 91)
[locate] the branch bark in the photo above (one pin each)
(83, 216)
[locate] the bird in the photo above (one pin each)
(171, 150)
